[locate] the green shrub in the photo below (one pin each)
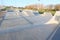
(3, 9)
(53, 12)
(40, 12)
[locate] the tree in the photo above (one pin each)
(57, 7)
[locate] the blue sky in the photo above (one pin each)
(22, 3)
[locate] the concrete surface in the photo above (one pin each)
(20, 28)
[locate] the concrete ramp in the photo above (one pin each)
(56, 34)
(55, 19)
(30, 13)
(11, 19)
(47, 14)
(40, 19)
(10, 15)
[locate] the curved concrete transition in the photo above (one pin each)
(37, 19)
(54, 19)
(22, 27)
